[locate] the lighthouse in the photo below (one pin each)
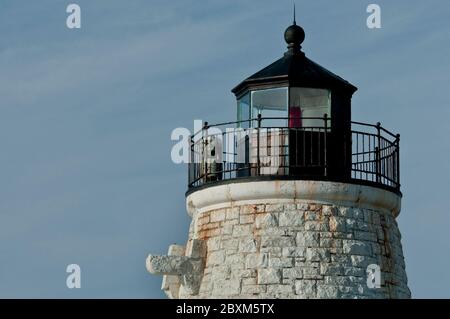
(292, 199)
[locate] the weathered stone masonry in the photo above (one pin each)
(304, 241)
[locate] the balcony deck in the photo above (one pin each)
(294, 149)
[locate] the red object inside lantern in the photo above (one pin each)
(295, 118)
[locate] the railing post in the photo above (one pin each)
(325, 119)
(377, 151)
(191, 160)
(205, 149)
(398, 161)
(258, 169)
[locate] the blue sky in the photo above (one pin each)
(86, 117)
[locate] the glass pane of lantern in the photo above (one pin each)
(271, 103)
(309, 103)
(244, 111)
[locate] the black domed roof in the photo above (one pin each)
(295, 69)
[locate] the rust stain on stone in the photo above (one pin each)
(277, 186)
(209, 233)
(333, 224)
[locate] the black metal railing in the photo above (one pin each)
(375, 155)
(294, 148)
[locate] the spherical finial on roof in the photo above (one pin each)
(294, 35)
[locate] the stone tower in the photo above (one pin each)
(293, 200)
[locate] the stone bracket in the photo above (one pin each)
(178, 269)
